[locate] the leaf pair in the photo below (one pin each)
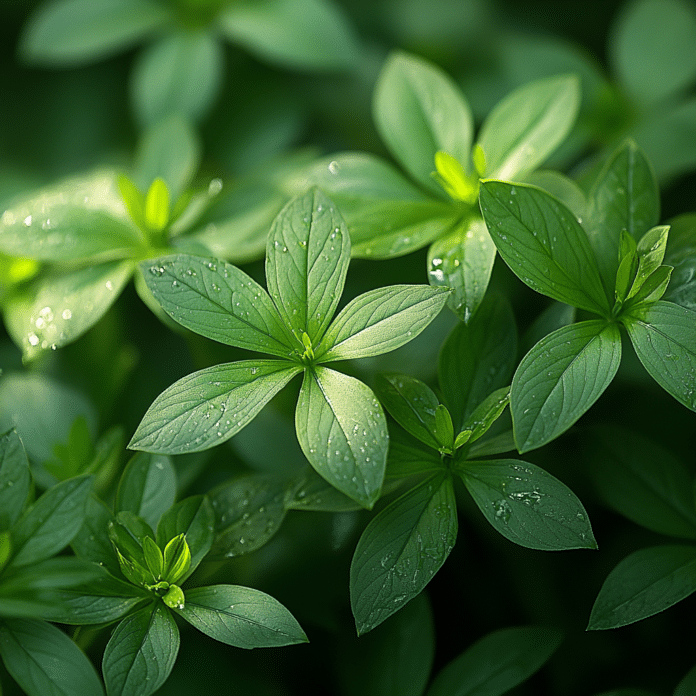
(339, 423)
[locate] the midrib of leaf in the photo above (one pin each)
(239, 618)
(143, 640)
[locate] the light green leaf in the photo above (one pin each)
(147, 487)
(543, 244)
(401, 550)
(157, 205)
(241, 616)
(29, 648)
(71, 32)
(141, 652)
(343, 433)
(418, 110)
(560, 378)
(380, 321)
(463, 260)
(277, 31)
(208, 407)
(527, 506)
(653, 287)
(485, 414)
(218, 301)
(651, 252)
(444, 430)
(681, 254)
(15, 479)
(528, 125)
(181, 73)
(645, 583)
(497, 662)
(306, 263)
(664, 338)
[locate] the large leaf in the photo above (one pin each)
(497, 662)
(208, 407)
(681, 255)
(380, 321)
(401, 550)
(664, 338)
(528, 125)
(218, 301)
(543, 243)
(44, 661)
(560, 378)
(278, 31)
(643, 584)
(70, 32)
(306, 263)
(343, 433)
(241, 616)
(419, 110)
(15, 479)
(527, 505)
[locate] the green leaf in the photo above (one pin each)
(651, 252)
(477, 358)
(141, 652)
(195, 518)
(309, 491)
(411, 404)
(50, 524)
(157, 205)
(248, 512)
(543, 244)
(555, 316)
(645, 583)
(177, 562)
(380, 321)
(625, 196)
(463, 260)
(681, 254)
(401, 550)
(408, 456)
(687, 685)
(343, 433)
(643, 481)
(147, 487)
(218, 301)
(208, 407)
(15, 479)
(241, 616)
(64, 305)
(485, 414)
(648, 72)
(527, 505)
(306, 263)
(664, 338)
(92, 541)
(653, 288)
(497, 662)
(418, 110)
(560, 378)
(497, 444)
(528, 125)
(29, 649)
(444, 430)
(79, 218)
(71, 32)
(153, 557)
(181, 73)
(277, 31)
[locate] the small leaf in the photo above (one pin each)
(208, 407)
(401, 550)
(485, 414)
(653, 288)
(527, 505)
(645, 583)
(450, 174)
(174, 598)
(133, 199)
(343, 433)
(444, 430)
(560, 378)
(157, 205)
(141, 652)
(15, 479)
(651, 252)
(241, 617)
(177, 559)
(497, 662)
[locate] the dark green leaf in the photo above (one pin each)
(241, 616)
(29, 649)
(681, 254)
(208, 407)
(141, 652)
(643, 584)
(497, 662)
(309, 491)
(50, 524)
(527, 505)
(497, 444)
(401, 549)
(343, 433)
(15, 479)
(306, 263)
(528, 125)
(543, 243)
(418, 110)
(687, 685)
(218, 301)
(92, 541)
(664, 338)
(408, 456)
(560, 378)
